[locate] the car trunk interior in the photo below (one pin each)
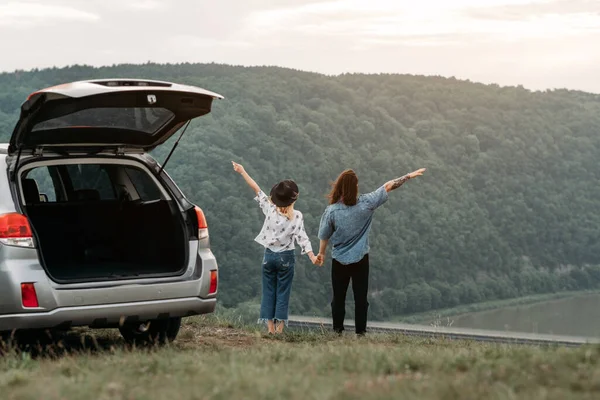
(85, 234)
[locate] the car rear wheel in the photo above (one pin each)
(157, 331)
(28, 339)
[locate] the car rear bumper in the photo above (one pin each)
(106, 315)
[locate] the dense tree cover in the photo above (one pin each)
(509, 205)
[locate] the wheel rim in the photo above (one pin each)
(143, 327)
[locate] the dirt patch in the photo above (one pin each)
(192, 336)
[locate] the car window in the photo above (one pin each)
(144, 184)
(43, 180)
(148, 120)
(166, 179)
(92, 178)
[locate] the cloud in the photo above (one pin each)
(191, 42)
(427, 22)
(36, 14)
(538, 43)
(532, 10)
(145, 4)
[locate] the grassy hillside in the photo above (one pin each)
(509, 207)
(214, 360)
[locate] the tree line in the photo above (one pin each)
(510, 205)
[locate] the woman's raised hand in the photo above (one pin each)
(416, 173)
(238, 167)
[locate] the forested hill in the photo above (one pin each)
(510, 203)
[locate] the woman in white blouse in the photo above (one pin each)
(282, 226)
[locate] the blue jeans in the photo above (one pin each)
(277, 275)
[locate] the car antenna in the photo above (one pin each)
(173, 148)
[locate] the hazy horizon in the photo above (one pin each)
(297, 69)
(539, 44)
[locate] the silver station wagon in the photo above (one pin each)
(93, 232)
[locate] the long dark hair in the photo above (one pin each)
(345, 188)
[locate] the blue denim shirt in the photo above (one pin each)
(347, 227)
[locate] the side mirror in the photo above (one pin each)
(43, 198)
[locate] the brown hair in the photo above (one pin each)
(345, 188)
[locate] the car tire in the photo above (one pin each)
(27, 339)
(157, 331)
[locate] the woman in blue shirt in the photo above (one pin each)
(346, 223)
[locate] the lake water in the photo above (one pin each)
(576, 316)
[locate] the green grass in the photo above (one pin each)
(435, 316)
(213, 359)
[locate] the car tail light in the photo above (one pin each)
(202, 225)
(213, 282)
(28, 295)
(15, 230)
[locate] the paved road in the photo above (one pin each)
(299, 322)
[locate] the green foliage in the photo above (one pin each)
(509, 205)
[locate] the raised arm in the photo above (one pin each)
(240, 169)
(396, 183)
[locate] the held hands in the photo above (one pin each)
(316, 260)
(320, 259)
(238, 168)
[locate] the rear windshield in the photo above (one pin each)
(88, 182)
(144, 119)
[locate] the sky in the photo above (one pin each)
(540, 44)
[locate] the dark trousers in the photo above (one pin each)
(340, 279)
